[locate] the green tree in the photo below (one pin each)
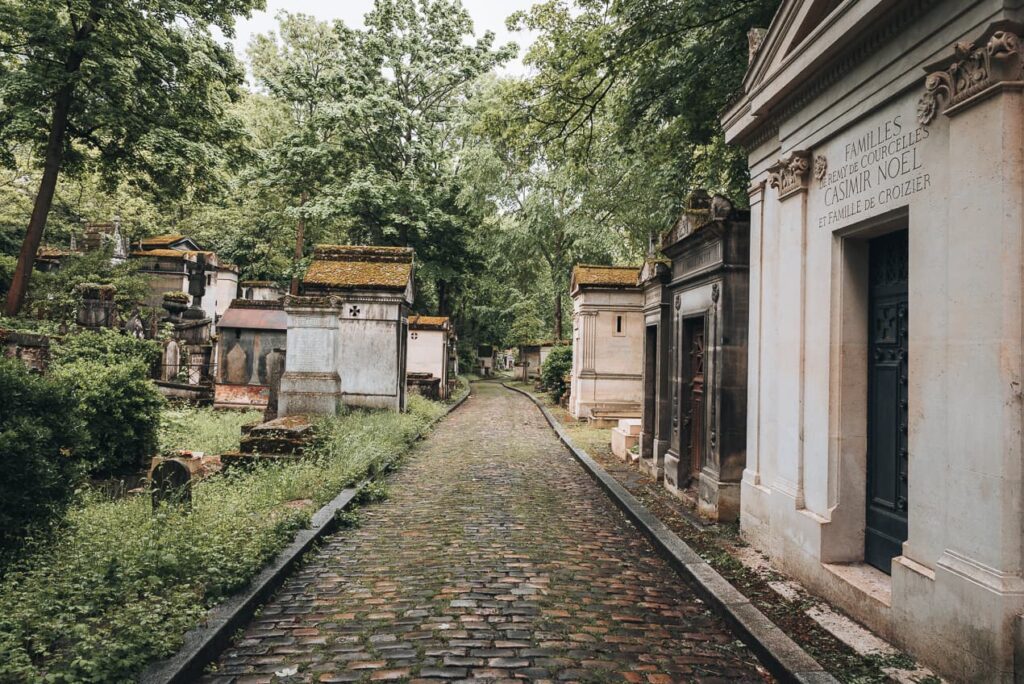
(304, 71)
(538, 196)
(645, 80)
(410, 72)
(134, 88)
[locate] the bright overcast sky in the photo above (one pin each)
(488, 15)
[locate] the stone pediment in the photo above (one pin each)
(794, 21)
(702, 212)
(806, 39)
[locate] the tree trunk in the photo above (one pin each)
(44, 200)
(558, 314)
(52, 162)
(442, 298)
(300, 240)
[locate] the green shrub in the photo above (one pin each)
(106, 346)
(56, 296)
(38, 430)
(119, 408)
(121, 584)
(7, 266)
(556, 366)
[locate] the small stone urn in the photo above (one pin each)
(175, 303)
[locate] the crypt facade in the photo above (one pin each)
(884, 454)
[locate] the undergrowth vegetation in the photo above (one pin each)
(120, 584)
(201, 429)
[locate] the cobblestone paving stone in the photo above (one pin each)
(494, 558)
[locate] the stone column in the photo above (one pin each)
(977, 585)
(790, 177)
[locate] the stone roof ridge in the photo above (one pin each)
(257, 304)
(368, 253)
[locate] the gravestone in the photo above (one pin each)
(275, 369)
(172, 484)
(171, 361)
(236, 360)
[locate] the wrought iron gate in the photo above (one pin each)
(693, 421)
(886, 525)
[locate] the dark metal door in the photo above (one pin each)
(693, 422)
(886, 527)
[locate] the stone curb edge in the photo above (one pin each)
(205, 642)
(784, 658)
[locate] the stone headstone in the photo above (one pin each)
(171, 361)
(275, 369)
(236, 360)
(172, 484)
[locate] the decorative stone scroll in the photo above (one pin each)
(974, 69)
(791, 174)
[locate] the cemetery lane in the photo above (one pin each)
(495, 557)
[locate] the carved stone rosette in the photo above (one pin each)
(975, 68)
(791, 174)
(820, 167)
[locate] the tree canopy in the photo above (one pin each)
(137, 90)
(400, 131)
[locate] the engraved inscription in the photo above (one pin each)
(880, 167)
(707, 255)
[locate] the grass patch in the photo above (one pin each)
(119, 584)
(203, 429)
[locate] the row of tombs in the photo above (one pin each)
(660, 353)
(353, 337)
(839, 367)
(348, 338)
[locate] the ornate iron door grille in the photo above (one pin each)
(887, 463)
(693, 421)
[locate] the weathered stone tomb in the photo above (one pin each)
(347, 331)
(607, 343)
(884, 459)
(695, 366)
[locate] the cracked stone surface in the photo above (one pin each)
(495, 558)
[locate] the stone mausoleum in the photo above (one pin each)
(695, 365)
(251, 339)
(347, 331)
(431, 353)
(884, 455)
(607, 343)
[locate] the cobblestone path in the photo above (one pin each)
(495, 558)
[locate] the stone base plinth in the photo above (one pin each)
(655, 464)
(309, 394)
(718, 500)
(622, 442)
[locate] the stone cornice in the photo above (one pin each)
(975, 70)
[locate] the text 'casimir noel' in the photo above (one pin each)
(880, 167)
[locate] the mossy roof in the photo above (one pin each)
(169, 253)
(54, 252)
(428, 322)
(356, 266)
(161, 240)
(604, 276)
